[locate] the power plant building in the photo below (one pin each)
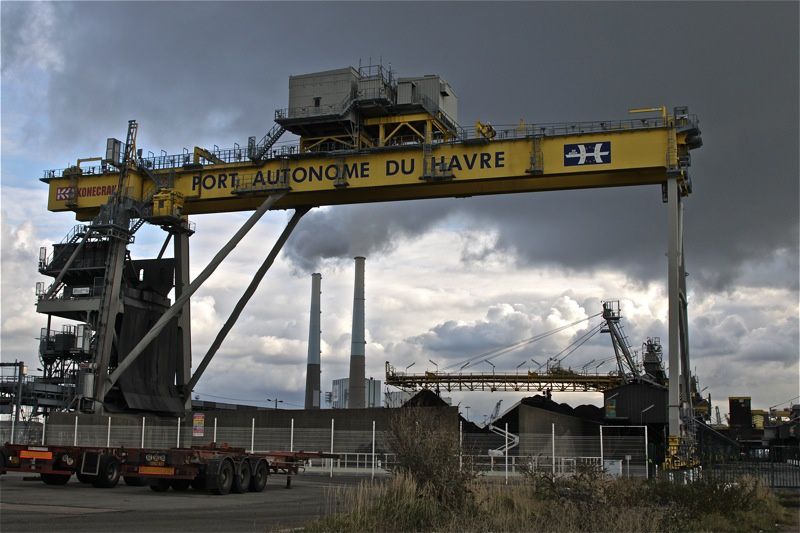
(340, 393)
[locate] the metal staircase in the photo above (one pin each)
(75, 235)
(510, 441)
(257, 150)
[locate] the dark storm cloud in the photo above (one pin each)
(226, 69)
(348, 231)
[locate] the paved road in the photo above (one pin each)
(33, 506)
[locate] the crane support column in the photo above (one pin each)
(184, 362)
(673, 287)
(111, 305)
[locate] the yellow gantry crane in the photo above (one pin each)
(364, 136)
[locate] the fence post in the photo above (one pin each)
(506, 447)
(373, 449)
(44, 427)
(178, 439)
(215, 431)
(646, 455)
(143, 423)
(331, 447)
(553, 433)
(75, 432)
(602, 458)
(460, 445)
(108, 434)
(252, 434)
(291, 437)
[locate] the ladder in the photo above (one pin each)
(257, 151)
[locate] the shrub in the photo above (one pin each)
(427, 450)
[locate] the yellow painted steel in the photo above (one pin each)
(478, 167)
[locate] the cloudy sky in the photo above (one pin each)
(446, 279)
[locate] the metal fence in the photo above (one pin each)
(771, 474)
(357, 451)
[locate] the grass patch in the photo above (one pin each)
(583, 503)
(431, 491)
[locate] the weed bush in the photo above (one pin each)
(427, 450)
(431, 491)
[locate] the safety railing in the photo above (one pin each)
(503, 131)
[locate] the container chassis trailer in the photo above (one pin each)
(219, 470)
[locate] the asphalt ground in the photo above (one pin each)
(28, 505)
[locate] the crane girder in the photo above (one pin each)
(616, 157)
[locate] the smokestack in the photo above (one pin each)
(313, 368)
(357, 397)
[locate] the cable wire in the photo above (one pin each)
(496, 352)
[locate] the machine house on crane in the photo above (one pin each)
(364, 136)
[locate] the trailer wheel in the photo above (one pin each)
(222, 476)
(135, 481)
(159, 485)
(180, 485)
(241, 481)
(85, 478)
(258, 480)
(56, 479)
(108, 472)
(2, 462)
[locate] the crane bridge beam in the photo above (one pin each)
(468, 167)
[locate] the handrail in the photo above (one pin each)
(504, 131)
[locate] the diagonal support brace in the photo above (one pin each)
(137, 350)
(248, 293)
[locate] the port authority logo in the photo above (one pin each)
(587, 154)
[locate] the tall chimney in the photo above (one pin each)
(357, 397)
(313, 368)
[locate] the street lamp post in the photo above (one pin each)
(276, 400)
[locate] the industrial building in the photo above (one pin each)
(340, 394)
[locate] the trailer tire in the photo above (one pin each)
(2, 462)
(159, 485)
(241, 481)
(258, 479)
(108, 472)
(135, 481)
(85, 478)
(221, 474)
(56, 479)
(180, 485)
